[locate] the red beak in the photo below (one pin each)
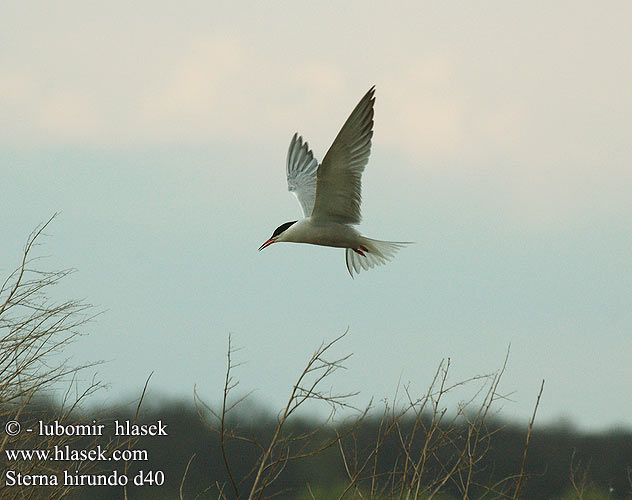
(266, 244)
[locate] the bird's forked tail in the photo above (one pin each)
(371, 253)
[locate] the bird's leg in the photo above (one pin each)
(361, 250)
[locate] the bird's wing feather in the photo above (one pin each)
(338, 188)
(301, 173)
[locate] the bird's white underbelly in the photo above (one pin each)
(329, 234)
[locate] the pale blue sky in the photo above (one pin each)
(501, 148)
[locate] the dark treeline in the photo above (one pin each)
(557, 456)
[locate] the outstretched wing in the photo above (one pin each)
(338, 189)
(301, 173)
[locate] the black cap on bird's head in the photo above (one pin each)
(276, 234)
(282, 228)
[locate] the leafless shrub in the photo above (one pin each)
(283, 447)
(435, 448)
(34, 330)
(579, 478)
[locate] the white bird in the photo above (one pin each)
(330, 194)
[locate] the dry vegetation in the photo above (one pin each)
(34, 329)
(436, 448)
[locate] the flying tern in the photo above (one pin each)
(330, 193)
